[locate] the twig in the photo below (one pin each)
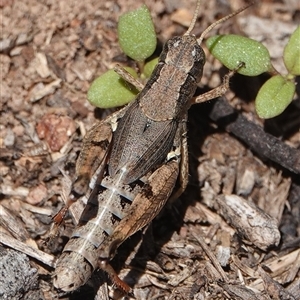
(210, 255)
(254, 136)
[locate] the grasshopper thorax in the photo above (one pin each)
(174, 80)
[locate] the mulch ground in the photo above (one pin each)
(233, 234)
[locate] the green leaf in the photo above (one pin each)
(110, 90)
(233, 49)
(274, 96)
(136, 33)
(291, 54)
(149, 67)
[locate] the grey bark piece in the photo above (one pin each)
(250, 221)
(17, 277)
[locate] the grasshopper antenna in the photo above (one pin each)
(192, 25)
(209, 28)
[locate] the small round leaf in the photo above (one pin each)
(110, 90)
(149, 67)
(291, 54)
(136, 33)
(274, 96)
(233, 49)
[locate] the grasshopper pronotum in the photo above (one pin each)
(137, 163)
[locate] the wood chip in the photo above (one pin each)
(250, 222)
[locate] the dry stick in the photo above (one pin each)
(254, 136)
(41, 256)
(210, 255)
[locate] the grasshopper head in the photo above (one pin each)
(185, 54)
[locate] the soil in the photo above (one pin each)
(233, 234)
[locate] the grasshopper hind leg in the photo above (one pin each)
(120, 284)
(90, 164)
(183, 177)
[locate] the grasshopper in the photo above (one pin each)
(138, 160)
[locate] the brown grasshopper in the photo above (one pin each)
(137, 156)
